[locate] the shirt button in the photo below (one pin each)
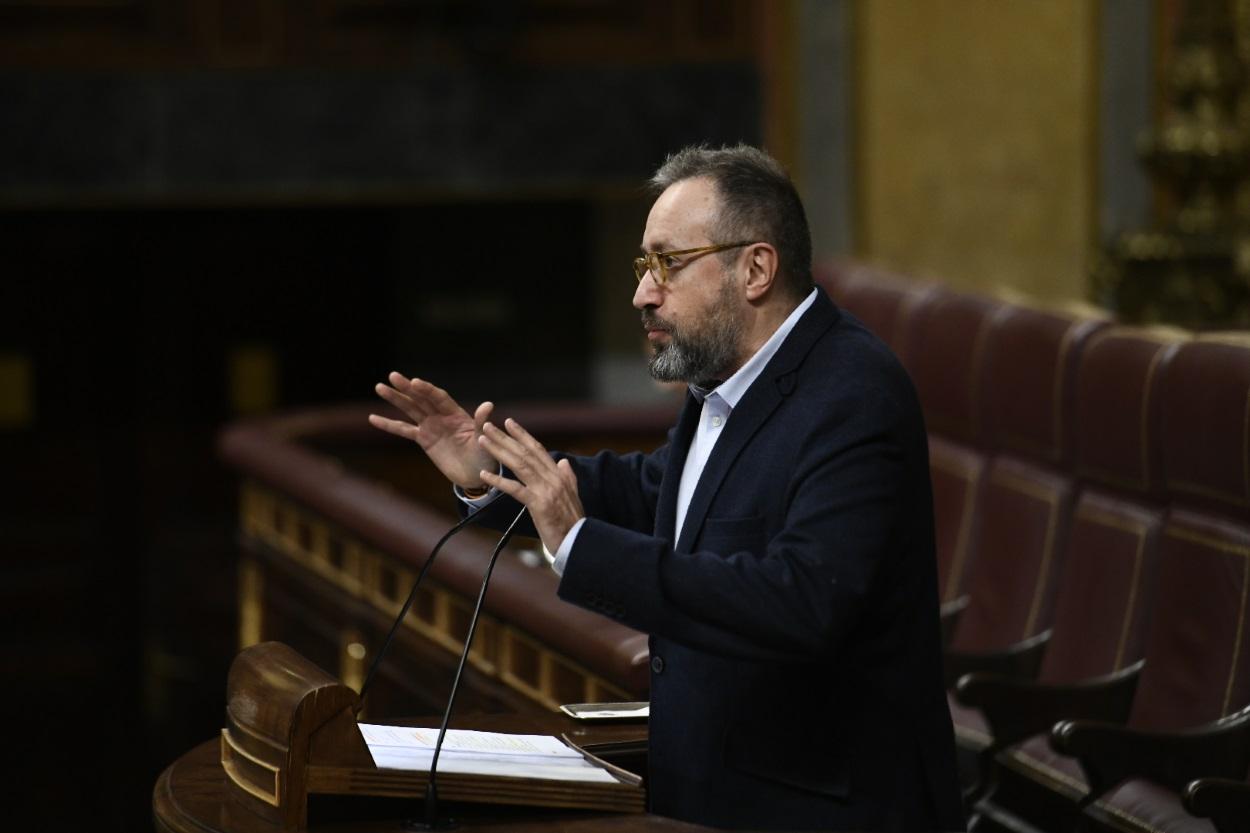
(657, 665)
(716, 421)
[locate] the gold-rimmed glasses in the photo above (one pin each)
(658, 263)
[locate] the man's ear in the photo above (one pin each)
(761, 266)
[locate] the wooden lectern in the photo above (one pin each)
(291, 731)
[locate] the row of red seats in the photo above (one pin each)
(1092, 502)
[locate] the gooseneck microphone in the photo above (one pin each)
(412, 595)
(432, 821)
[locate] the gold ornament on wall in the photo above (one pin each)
(1192, 268)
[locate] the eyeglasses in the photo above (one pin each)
(658, 263)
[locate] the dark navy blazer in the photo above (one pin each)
(796, 677)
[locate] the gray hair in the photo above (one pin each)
(758, 202)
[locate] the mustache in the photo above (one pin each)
(651, 321)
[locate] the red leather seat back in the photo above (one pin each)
(1104, 595)
(1117, 409)
(944, 350)
(1021, 521)
(956, 471)
(1105, 589)
(1030, 375)
(1197, 649)
(1025, 503)
(880, 299)
(1206, 425)
(1197, 645)
(833, 274)
(943, 347)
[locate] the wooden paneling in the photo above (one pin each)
(370, 33)
(95, 33)
(540, 32)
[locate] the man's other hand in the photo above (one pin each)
(548, 488)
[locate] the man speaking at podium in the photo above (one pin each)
(778, 549)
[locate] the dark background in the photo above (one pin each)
(212, 209)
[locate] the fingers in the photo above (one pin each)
(431, 397)
(566, 472)
(506, 485)
(546, 487)
(400, 401)
(416, 397)
(420, 400)
(394, 426)
(398, 394)
(518, 451)
(524, 437)
(481, 416)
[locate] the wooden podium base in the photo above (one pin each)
(191, 796)
(291, 758)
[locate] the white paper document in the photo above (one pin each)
(480, 753)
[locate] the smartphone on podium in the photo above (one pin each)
(631, 711)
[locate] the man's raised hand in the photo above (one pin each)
(444, 430)
(547, 488)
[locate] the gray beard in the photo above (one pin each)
(704, 352)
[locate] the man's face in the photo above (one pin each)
(695, 321)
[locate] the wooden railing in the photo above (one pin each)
(335, 520)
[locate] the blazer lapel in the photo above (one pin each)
(753, 409)
(679, 449)
(767, 392)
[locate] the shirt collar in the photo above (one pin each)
(732, 389)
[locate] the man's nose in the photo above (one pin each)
(648, 293)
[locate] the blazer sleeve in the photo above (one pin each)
(620, 489)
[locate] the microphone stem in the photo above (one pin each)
(431, 790)
(412, 597)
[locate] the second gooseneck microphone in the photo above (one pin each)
(468, 519)
(431, 821)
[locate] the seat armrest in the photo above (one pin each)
(1020, 661)
(1223, 800)
(950, 616)
(1111, 754)
(1016, 709)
